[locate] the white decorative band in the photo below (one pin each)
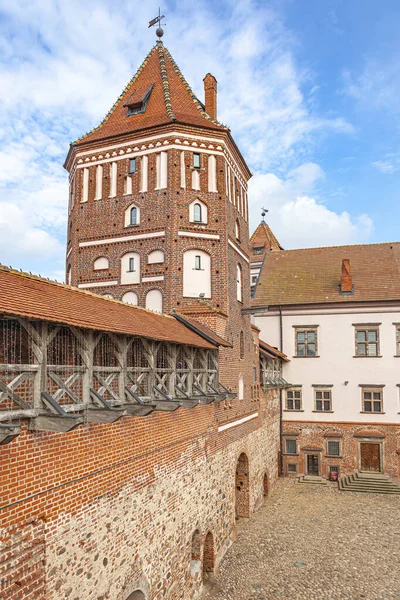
(238, 251)
(205, 236)
(69, 252)
(127, 238)
(97, 284)
(158, 278)
(238, 422)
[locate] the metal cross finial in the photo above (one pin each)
(263, 213)
(159, 30)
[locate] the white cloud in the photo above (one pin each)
(300, 220)
(57, 82)
(390, 164)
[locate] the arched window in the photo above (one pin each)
(239, 283)
(132, 215)
(101, 263)
(241, 388)
(130, 268)
(196, 274)
(241, 345)
(237, 230)
(197, 213)
(130, 298)
(156, 256)
(154, 301)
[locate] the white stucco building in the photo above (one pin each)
(335, 312)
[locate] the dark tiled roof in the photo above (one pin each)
(35, 298)
(312, 275)
(171, 100)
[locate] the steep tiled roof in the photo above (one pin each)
(35, 298)
(312, 275)
(264, 237)
(203, 330)
(272, 350)
(171, 100)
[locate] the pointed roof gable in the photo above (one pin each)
(264, 237)
(160, 86)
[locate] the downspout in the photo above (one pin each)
(280, 396)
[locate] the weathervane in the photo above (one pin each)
(159, 30)
(263, 213)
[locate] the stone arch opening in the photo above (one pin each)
(208, 556)
(242, 487)
(195, 554)
(265, 484)
(136, 595)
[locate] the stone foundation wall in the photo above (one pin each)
(140, 537)
(312, 438)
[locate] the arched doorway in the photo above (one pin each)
(137, 595)
(208, 557)
(242, 488)
(265, 484)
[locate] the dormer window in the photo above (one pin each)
(196, 161)
(132, 166)
(137, 105)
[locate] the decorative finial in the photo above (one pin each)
(263, 213)
(159, 30)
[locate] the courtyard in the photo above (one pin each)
(314, 542)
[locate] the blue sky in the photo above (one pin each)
(310, 89)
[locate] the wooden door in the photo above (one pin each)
(312, 464)
(370, 457)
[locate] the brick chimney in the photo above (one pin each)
(346, 280)
(210, 95)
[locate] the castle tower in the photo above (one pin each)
(158, 196)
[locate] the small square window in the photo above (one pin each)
(372, 400)
(132, 165)
(258, 250)
(306, 342)
(367, 342)
(196, 161)
(293, 399)
(323, 400)
(291, 447)
(333, 448)
(292, 468)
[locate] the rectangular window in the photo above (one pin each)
(323, 400)
(293, 399)
(306, 342)
(197, 263)
(333, 448)
(131, 265)
(291, 447)
(372, 400)
(292, 468)
(132, 165)
(398, 340)
(196, 161)
(367, 342)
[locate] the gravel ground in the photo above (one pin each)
(314, 542)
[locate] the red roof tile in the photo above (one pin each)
(272, 350)
(203, 330)
(171, 100)
(35, 298)
(312, 275)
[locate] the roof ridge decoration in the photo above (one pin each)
(114, 106)
(165, 82)
(196, 101)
